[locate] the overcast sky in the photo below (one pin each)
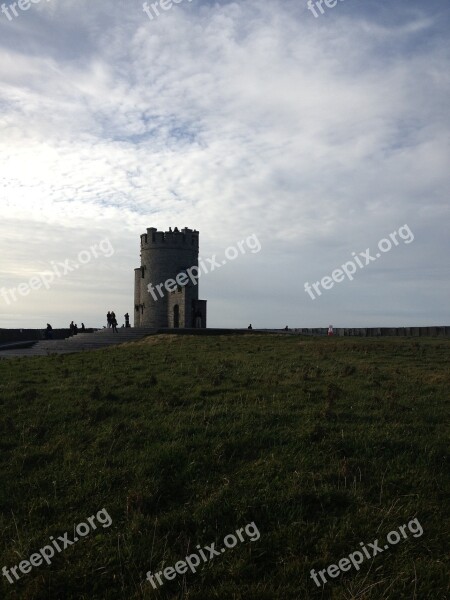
(319, 135)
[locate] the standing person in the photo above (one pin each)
(49, 332)
(108, 318)
(127, 320)
(75, 329)
(114, 323)
(71, 328)
(83, 327)
(113, 316)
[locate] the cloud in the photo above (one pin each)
(232, 118)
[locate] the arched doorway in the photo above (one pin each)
(176, 316)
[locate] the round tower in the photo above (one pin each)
(160, 299)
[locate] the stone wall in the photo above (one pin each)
(436, 331)
(9, 336)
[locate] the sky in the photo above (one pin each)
(320, 135)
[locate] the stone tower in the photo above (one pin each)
(166, 283)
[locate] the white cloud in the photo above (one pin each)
(233, 119)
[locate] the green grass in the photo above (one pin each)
(323, 443)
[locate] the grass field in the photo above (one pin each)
(322, 443)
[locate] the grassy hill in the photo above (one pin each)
(321, 444)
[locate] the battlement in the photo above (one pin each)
(154, 238)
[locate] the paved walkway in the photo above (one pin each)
(105, 337)
(81, 342)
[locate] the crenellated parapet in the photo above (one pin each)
(172, 238)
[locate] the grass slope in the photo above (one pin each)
(323, 443)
